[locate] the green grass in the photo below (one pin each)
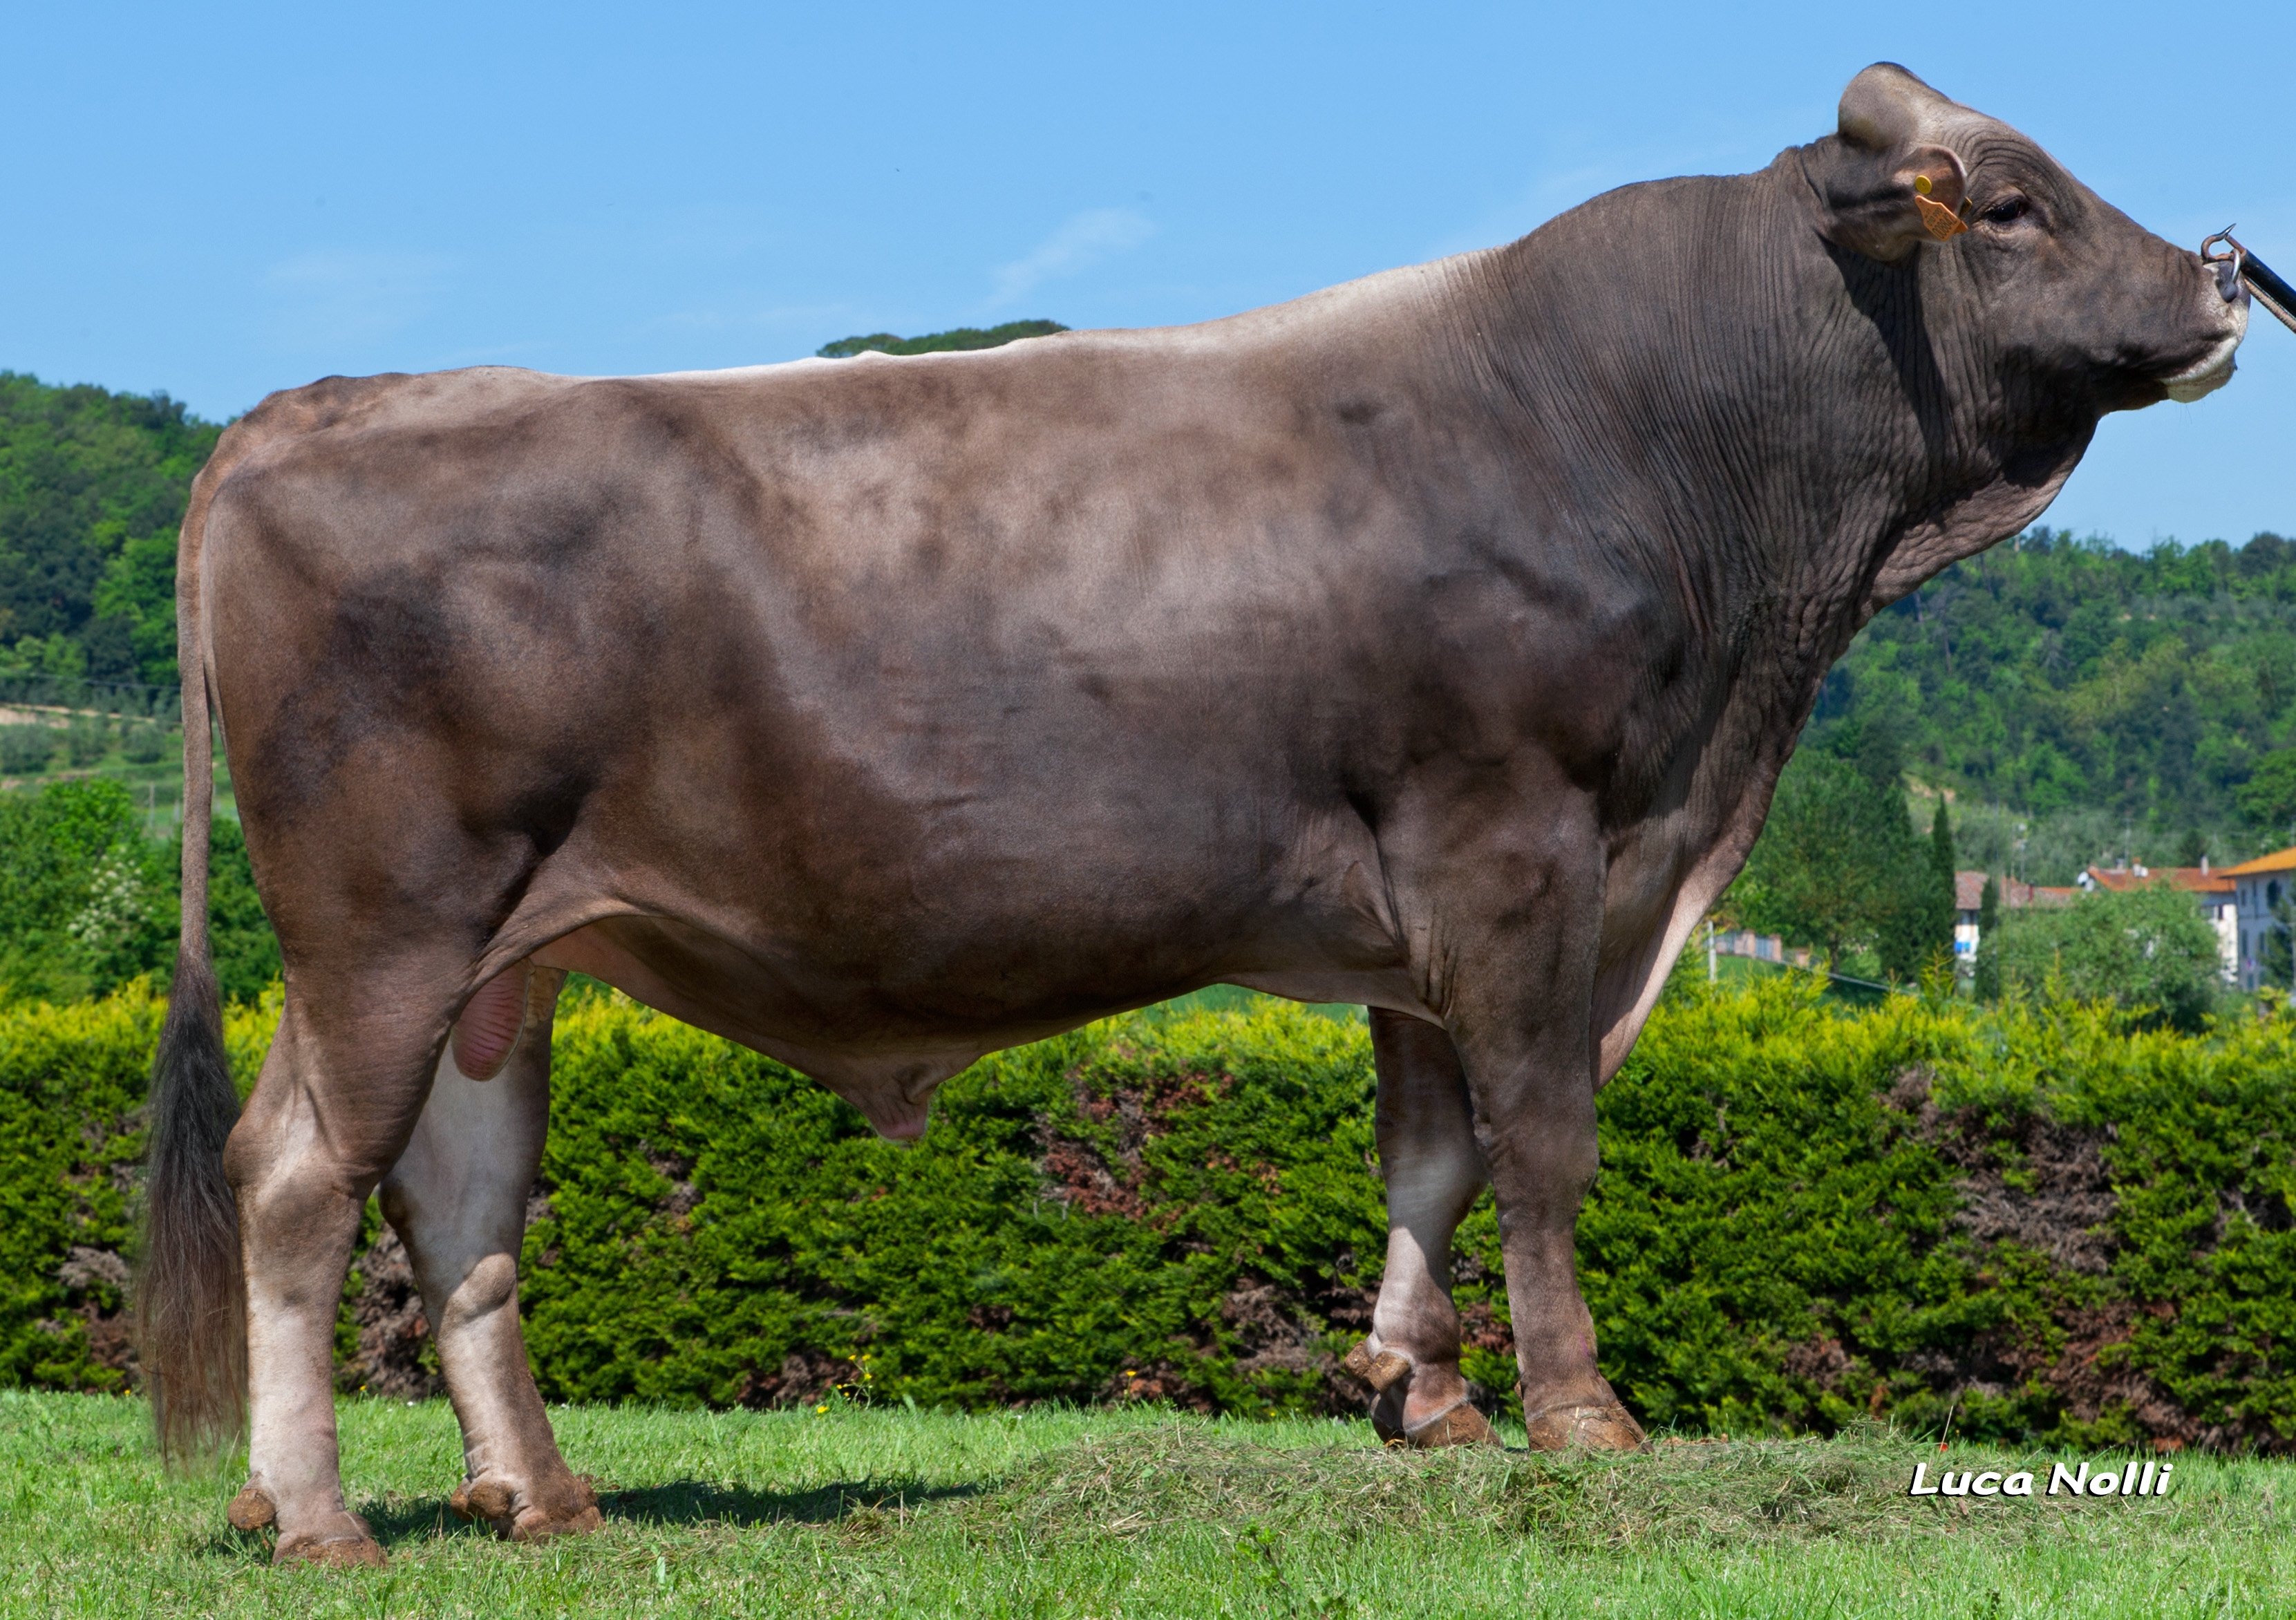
(893, 1512)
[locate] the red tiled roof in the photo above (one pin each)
(2017, 895)
(1969, 893)
(2191, 880)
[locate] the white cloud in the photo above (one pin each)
(1082, 240)
(332, 298)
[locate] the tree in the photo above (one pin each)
(2277, 966)
(87, 902)
(1839, 863)
(2148, 949)
(938, 342)
(1795, 882)
(1936, 899)
(1986, 983)
(2267, 799)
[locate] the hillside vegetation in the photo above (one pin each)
(2111, 701)
(940, 342)
(92, 490)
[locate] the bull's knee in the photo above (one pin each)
(489, 1286)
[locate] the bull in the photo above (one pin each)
(1432, 643)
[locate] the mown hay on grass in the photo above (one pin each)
(1676, 1495)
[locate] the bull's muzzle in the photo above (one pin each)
(2237, 269)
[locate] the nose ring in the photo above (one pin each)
(2234, 264)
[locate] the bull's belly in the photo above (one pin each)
(885, 1049)
(891, 1079)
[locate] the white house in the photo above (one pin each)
(1968, 904)
(2259, 886)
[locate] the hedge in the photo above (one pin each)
(2044, 1224)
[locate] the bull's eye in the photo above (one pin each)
(2009, 210)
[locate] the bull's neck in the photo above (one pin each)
(1765, 430)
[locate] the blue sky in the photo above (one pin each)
(225, 200)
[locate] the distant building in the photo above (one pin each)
(2216, 893)
(2259, 886)
(1968, 906)
(1969, 899)
(1760, 947)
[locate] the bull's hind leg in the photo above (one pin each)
(338, 1092)
(457, 1200)
(1433, 1170)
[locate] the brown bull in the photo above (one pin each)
(1432, 643)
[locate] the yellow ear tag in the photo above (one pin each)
(1940, 221)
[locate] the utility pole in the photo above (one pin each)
(1713, 972)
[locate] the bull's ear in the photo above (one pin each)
(1887, 184)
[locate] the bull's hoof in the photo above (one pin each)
(1600, 1425)
(1389, 1372)
(1380, 1370)
(571, 1510)
(534, 1525)
(251, 1509)
(360, 1551)
(483, 1498)
(1460, 1425)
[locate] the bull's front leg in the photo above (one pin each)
(1513, 908)
(1531, 1080)
(1433, 1170)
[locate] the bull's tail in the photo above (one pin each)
(189, 1296)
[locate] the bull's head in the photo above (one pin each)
(2070, 298)
(2018, 307)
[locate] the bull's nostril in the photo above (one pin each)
(2227, 274)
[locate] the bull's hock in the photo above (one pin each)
(2135, 1479)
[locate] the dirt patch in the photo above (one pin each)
(1085, 1175)
(802, 1379)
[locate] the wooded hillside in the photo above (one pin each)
(91, 488)
(2107, 697)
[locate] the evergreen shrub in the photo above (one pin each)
(2044, 1223)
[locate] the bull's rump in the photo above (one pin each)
(921, 710)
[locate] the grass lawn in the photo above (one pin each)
(892, 1512)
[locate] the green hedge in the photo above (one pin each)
(2053, 1226)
